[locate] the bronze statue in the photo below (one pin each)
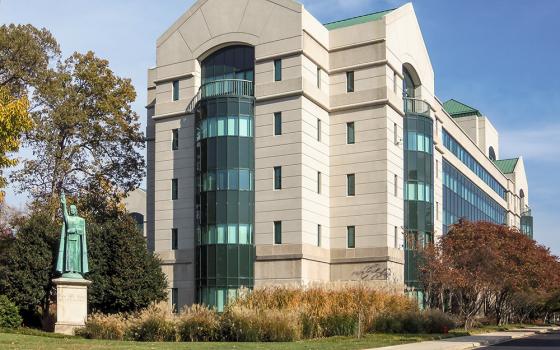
(72, 259)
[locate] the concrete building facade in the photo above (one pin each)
(286, 151)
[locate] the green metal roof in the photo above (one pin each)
(357, 20)
(507, 166)
(458, 109)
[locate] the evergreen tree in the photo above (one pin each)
(26, 265)
(126, 277)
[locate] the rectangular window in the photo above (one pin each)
(318, 235)
(277, 123)
(174, 300)
(319, 182)
(350, 137)
(395, 134)
(222, 122)
(277, 178)
(174, 189)
(319, 130)
(174, 239)
(396, 237)
(351, 184)
(244, 126)
(318, 77)
(351, 236)
(396, 185)
(277, 232)
(175, 90)
(277, 70)
(349, 81)
(175, 139)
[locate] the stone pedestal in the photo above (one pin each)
(71, 304)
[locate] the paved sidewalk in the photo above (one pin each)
(473, 341)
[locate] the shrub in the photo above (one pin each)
(310, 327)
(279, 326)
(155, 324)
(388, 324)
(412, 322)
(9, 313)
(239, 324)
(337, 324)
(249, 325)
(198, 323)
(329, 310)
(428, 321)
(436, 321)
(109, 327)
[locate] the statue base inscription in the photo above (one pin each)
(71, 304)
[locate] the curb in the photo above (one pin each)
(530, 332)
(474, 341)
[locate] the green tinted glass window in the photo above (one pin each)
(277, 178)
(277, 70)
(175, 139)
(176, 90)
(351, 184)
(349, 81)
(174, 239)
(351, 236)
(174, 189)
(277, 123)
(350, 136)
(278, 232)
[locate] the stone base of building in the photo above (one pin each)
(71, 304)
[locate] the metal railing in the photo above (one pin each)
(526, 211)
(416, 106)
(225, 87)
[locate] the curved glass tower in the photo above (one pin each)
(225, 169)
(419, 180)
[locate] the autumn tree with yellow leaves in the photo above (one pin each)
(14, 121)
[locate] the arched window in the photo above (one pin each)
(491, 153)
(411, 81)
(409, 86)
(139, 219)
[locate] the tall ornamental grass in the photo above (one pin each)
(274, 314)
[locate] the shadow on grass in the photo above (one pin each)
(36, 332)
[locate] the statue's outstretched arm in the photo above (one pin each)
(64, 209)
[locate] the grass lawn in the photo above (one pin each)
(30, 339)
(34, 340)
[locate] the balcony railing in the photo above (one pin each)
(526, 211)
(416, 106)
(226, 87)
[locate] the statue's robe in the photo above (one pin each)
(72, 251)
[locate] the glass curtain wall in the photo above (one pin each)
(527, 224)
(464, 156)
(418, 185)
(463, 199)
(225, 167)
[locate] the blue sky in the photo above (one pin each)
(500, 56)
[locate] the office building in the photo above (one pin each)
(286, 151)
